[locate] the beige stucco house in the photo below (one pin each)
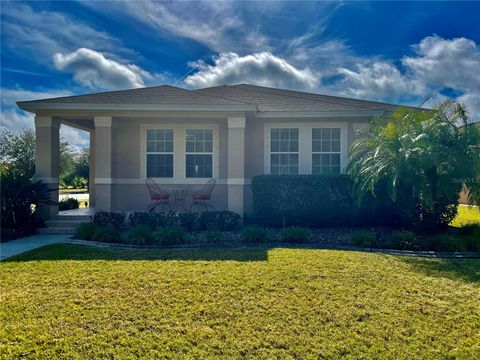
(182, 138)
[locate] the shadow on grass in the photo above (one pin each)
(85, 252)
(463, 269)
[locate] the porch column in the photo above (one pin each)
(47, 152)
(91, 170)
(103, 163)
(236, 164)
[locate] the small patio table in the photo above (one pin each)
(179, 198)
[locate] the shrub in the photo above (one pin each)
(364, 238)
(295, 235)
(68, 204)
(152, 219)
(106, 234)
(448, 243)
(403, 240)
(471, 234)
(170, 235)
(104, 218)
(140, 235)
(254, 234)
(215, 237)
(86, 231)
(189, 220)
(306, 200)
(18, 193)
(219, 220)
(469, 229)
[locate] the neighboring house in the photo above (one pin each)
(182, 138)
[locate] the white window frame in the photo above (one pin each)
(179, 152)
(305, 143)
(285, 152)
(325, 152)
(161, 153)
(198, 153)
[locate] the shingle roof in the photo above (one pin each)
(266, 99)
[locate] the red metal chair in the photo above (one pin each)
(201, 198)
(160, 196)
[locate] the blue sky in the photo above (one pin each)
(401, 52)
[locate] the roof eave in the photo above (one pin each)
(320, 114)
(33, 106)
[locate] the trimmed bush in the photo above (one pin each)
(140, 235)
(170, 235)
(295, 235)
(448, 243)
(254, 235)
(469, 229)
(364, 238)
(189, 220)
(303, 200)
(403, 240)
(152, 219)
(107, 234)
(104, 218)
(68, 204)
(219, 220)
(85, 231)
(215, 237)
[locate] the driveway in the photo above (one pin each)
(18, 246)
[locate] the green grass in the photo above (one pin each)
(466, 215)
(73, 191)
(72, 301)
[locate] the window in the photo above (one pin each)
(326, 151)
(199, 153)
(284, 151)
(159, 153)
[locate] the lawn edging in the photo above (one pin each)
(409, 253)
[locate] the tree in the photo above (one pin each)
(18, 151)
(419, 160)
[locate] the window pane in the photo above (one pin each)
(199, 166)
(275, 146)
(335, 145)
(336, 134)
(326, 134)
(150, 146)
(325, 146)
(199, 140)
(150, 134)
(159, 165)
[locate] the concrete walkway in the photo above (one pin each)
(15, 247)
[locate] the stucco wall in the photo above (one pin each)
(128, 190)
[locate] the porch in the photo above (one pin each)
(118, 160)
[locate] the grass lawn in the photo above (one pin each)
(73, 191)
(467, 214)
(73, 301)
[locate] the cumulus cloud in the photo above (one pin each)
(262, 68)
(93, 69)
(377, 80)
(444, 63)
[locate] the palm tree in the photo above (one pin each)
(421, 159)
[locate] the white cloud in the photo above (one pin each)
(443, 63)
(377, 80)
(215, 24)
(259, 68)
(43, 33)
(91, 68)
(14, 119)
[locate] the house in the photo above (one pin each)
(182, 138)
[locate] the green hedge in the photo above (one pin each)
(306, 200)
